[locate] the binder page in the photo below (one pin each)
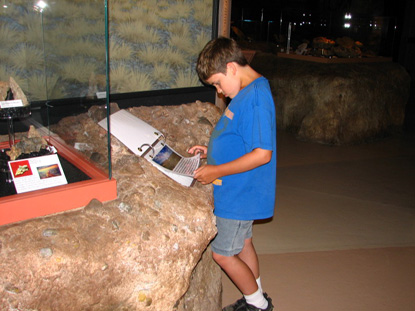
(171, 160)
(165, 163)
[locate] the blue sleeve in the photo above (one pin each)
(258, 121)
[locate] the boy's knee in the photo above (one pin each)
(220, 259)
(216, 257)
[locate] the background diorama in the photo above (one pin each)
(59, 51)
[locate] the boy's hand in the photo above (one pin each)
(198, 149)
(257, 157)
(206, 174)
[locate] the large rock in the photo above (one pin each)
(339, 103)
(138, 252)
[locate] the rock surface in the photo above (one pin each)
(340, 103)
(139, 252)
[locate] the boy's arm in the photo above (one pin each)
(257, 157)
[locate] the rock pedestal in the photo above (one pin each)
(146, 250)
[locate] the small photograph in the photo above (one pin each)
(21, 168)
(49, 171)
(167, 158)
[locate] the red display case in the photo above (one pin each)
(19, 207)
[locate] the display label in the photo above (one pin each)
(37, 173)
(101, 95)
(11, 103)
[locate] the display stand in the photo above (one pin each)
(10, 114)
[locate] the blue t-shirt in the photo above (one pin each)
(249, 122)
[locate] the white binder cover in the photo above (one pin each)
(131, 131)
(146, 141)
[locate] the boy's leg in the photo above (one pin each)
(250, 257)
(235, 254)
(242, 275)
(232, 239)
(238, 271)
(242, 269)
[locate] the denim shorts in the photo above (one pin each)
(231, 236)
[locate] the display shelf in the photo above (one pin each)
(334, 60)
(24, 206)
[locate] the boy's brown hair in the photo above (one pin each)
(216, 55)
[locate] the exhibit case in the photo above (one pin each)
(49, 50)
(63, 60)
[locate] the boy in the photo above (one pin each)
(241, 159)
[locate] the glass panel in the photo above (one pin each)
(53, 49)
(56, 50)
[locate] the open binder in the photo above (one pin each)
(148, 142)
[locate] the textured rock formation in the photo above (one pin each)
(336, 103)
(15, 89)
(139, 252)
(33, 142)
(11, 90)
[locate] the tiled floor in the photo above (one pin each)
(343, 235)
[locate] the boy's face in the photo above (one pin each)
(229, 85)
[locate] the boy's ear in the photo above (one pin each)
(231, 68)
